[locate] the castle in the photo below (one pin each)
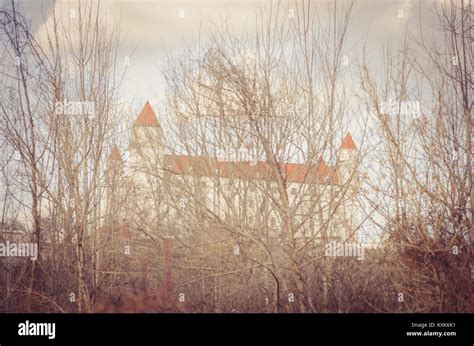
(154, 187)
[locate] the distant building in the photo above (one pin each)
(155, 187)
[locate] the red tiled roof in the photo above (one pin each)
(115, 154)
(210, 167)
(146, 117)
(348, 142)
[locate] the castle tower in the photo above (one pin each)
(347, 169)
(347, 159)
(146, 146)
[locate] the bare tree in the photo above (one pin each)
(276, 97)
(424, 148)
(65, 84)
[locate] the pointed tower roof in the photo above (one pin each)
(348, 142)
(322, 166)
(146, 117)
(115, 154)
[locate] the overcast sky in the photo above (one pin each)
(152, 28)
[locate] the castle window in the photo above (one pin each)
(294, 190)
